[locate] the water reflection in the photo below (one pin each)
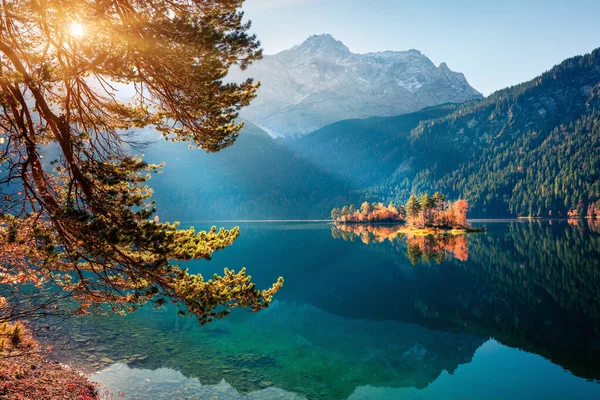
(495, 373)
(534, 287)
(419, 248)
(353, 317)
(296, 347)
(366, 233)
(165, 383)
(531, 285)
(590, 225)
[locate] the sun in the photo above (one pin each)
(76, 29)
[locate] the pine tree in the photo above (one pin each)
(413, 207)
(438, 201)
(366, 208)
(88, 225)
(336, 213)
(426, 202)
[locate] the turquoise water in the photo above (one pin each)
(513, 313)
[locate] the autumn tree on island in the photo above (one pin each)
(375, 212)
(424, 212)
(81, 218)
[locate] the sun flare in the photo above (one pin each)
(76, 29)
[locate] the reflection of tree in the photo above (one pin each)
(535, 288)
(424, 248)
(366, 233)
(436, 248)
(583, 224)
(532, 286)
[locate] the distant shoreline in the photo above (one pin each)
(476, 220)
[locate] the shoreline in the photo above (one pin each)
(27, 372)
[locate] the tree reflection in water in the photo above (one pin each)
(419, 248)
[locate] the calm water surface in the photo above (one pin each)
(513, 313)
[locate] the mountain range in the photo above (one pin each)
(321, 81)
(529, 150)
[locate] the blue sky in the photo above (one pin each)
(494, 43)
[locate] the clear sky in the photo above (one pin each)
(495, 43)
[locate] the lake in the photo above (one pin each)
(512, 313)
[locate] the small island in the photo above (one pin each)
(427, 215)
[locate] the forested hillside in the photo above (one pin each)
(365, 151)
(532, 149)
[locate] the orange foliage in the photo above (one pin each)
(594, 225)
(438, 247)
(594, 210)
(460, 250)
(452, 215)
(369, 233)
(443, 215)
(572, 221)
(419, 247)
(17, 252)
(376, 213)
(591, 224)
(460, 208)
(573, 213)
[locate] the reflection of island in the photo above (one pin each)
(424, 248)
(436, 248)
(365, 233)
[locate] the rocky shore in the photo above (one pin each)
(27, 374)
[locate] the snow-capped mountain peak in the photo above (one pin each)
(321, 81)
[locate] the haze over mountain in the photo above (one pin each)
(321, 81)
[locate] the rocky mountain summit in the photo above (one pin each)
(321, 81)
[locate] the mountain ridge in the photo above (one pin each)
(321, 81)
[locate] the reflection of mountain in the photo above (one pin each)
(295, 347)
(168, 384)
